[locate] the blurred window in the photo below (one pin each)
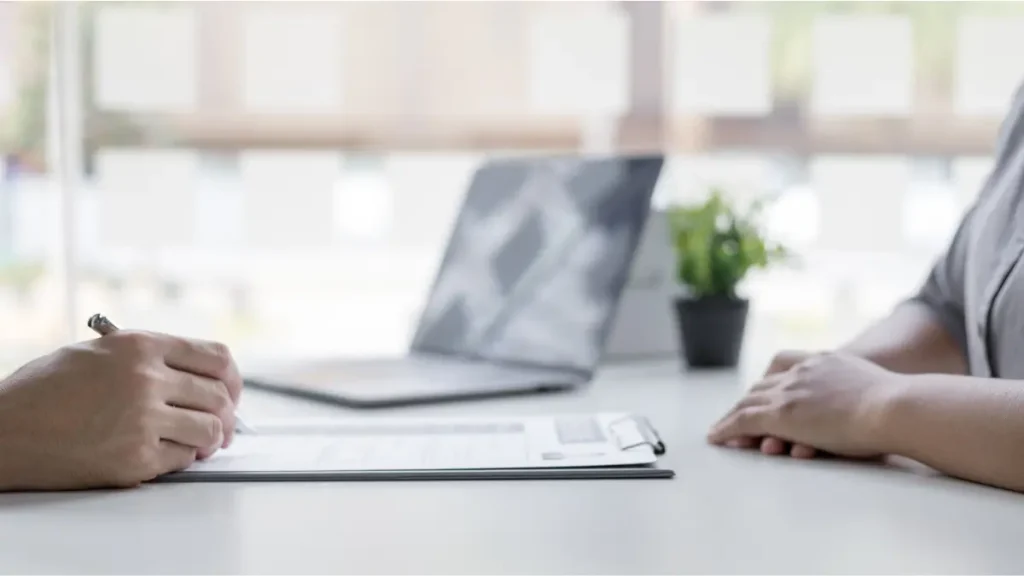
(283, 175)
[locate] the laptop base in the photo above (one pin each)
(395, 383)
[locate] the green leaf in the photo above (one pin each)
(716, 246)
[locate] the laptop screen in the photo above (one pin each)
(537, 261)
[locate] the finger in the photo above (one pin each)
(747, 422)
(204, 394)
(751, 400)
(766, 383)
(174, 457)
(205, 358)
(774, 446)
(784, 360)
(802, 451)
(743, 442)
(192, 428)
(777, 365)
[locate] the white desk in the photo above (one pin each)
(725, 511)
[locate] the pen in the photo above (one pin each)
(103, 326)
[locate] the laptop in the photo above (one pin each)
(645, 325)
(524, 296)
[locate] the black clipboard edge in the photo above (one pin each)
(606, 473)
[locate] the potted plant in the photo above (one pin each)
(716, 245)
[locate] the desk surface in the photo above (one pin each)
(725, 511)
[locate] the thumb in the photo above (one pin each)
(750, 421)
(786, 359)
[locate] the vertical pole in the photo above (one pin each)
(643, 126)
(411, 67)
(65, 143)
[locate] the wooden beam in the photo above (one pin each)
(936, 136)
(249, 131)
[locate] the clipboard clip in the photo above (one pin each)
(633, 431)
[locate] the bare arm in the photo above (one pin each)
(924, 335)
(911, 340)
(965, 427)
(970, 428)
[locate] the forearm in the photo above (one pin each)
(911, 341)
(970, 428)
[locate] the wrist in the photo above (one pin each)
(887, 407)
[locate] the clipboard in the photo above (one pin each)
(404, 449)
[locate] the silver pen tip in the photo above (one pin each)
(100, 324)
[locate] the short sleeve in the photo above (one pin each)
(1011, 131)
(943, 290)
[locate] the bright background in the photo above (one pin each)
(282, 175)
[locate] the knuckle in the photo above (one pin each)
(220, 350)
(793, 382)
(785, 360)
(134, 340)
(788, 405)
(744, 417)
(779, 361)
(136, 343)
(804, 368)
(221, 353)
(186, 459)
(83, 355)
(148, 379)
(214, 430)
(79, 349)
(222, 404)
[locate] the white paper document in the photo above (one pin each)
(406, 444)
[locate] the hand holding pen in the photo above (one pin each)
(198, 381)
(115, 411)
(103, 326)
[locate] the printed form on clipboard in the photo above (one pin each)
(605, 445)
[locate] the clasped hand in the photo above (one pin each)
(807, 403)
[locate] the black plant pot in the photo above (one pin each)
(711, 329)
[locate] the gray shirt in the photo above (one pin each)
(977, 287)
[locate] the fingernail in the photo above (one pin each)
(734, 443)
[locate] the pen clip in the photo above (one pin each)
(633, 431)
